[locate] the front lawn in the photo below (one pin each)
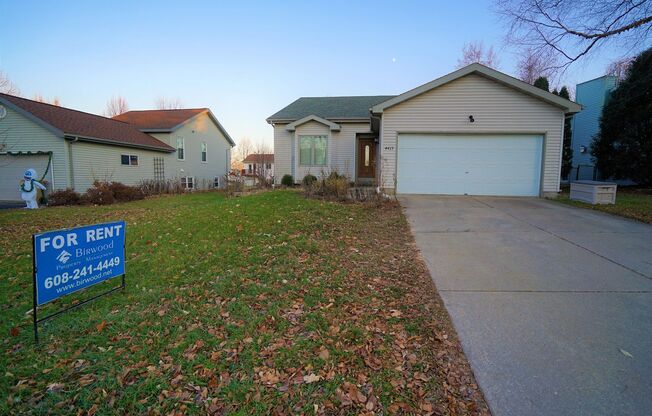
(630, 203)
(266, 304)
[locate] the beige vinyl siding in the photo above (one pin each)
(311, 128)
(20, 134)
(282, 152)
(199, 129)
(496, 109)
(92, 161)
(344, 147)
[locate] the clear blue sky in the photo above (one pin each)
(244, 60)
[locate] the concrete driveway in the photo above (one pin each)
(553, 304)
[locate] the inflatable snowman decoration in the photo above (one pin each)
(28, 189)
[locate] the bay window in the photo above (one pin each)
(313, 150)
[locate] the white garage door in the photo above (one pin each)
(12, 169)
(469, 164)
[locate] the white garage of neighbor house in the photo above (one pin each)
(475, 131)
(73, 149)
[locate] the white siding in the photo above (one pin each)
(92, 161)
(341, 149)
(282, 152)
(344, 147)
(496, 109)
(20, 134)
(196, 131)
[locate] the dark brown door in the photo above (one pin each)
(366, 158)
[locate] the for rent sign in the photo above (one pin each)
(66, 261)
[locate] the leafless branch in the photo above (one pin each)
(6, 86)
(571, 30)
(39, 97)
(116, 106)
(163, 103)
(475, 52)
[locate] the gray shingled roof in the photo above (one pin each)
(334, 108)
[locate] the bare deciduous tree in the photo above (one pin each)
(260, 160)
(619, 67)
(475, 52)
(533, 65)
(572, 29)
(163, 103)
(6, 86)
(39, 97)
(240, 152)
(116, 106)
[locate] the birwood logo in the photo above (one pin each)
(63, 257)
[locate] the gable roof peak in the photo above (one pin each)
(568, 106)
(292, 126)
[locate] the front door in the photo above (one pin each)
(366, 158)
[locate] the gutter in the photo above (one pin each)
(120, 144)
(71, 171)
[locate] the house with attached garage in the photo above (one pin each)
(475, 131)
(72, 149)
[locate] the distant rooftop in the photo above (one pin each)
(259, 158)
(333, 108)
(158, 119)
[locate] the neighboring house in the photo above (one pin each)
(592, 95)
(203, 147)
(259, 164)
(475, 131)
(73, 149)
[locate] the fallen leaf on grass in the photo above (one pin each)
(100, 327)
(311, 378)
(14, 331)
(55, 387)
(324, 354)
(86, 380)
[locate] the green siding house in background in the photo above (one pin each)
(592, 95)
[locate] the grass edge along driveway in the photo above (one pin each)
(633, 204)
(266, 304)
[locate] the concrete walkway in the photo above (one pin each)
(553, 304)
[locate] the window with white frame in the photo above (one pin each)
(313, 150)
(204, 152)
(216, 182)
(181, 148)
(129, 160)
(188, 182)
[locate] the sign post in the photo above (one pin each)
(69, 260)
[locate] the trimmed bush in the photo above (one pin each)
(64, 197)
(287, 180)
(100, 194)
(331, 186)
(308, 180)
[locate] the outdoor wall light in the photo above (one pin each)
(582, 149)
(471, 119)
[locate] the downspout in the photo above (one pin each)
(70, 160)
